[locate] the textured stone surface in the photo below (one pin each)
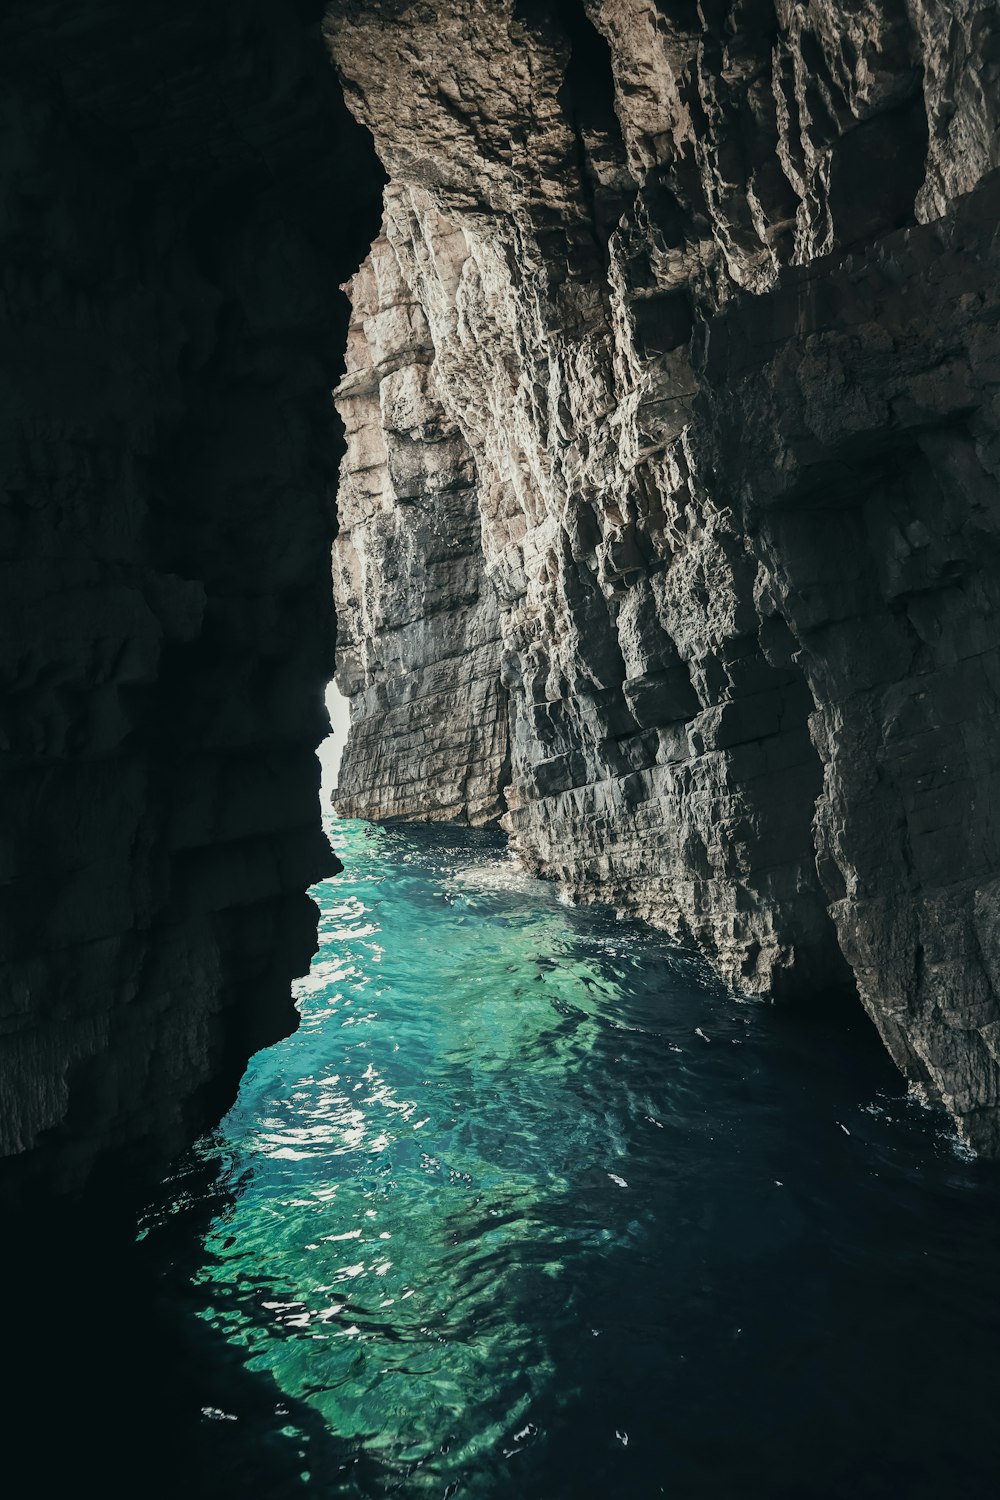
(420, 637)
(700, 318)
(182, 191)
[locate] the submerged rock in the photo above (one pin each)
(670, 508)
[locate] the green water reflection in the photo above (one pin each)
(507, 1211)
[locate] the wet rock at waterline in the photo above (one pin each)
(672, 396)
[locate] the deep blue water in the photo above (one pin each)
(530, 1207)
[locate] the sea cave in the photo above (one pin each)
(581, 1078)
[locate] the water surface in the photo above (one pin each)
(530, 1207)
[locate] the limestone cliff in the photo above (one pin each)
(182, 190)
(673, 394)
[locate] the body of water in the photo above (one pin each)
(530, 1207)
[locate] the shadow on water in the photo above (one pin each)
(815, 1320)
(115, 1386)
(529, 1207)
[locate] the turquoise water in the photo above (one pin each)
(529, 1206)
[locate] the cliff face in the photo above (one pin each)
(420, 633)
(673, 393)
(182, 190)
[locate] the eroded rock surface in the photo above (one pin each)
(182, 190)
(420, 630)
(673, 394)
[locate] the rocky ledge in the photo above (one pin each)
(670, 509)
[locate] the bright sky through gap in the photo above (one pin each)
(332, 747)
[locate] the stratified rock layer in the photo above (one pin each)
(182, 190)
(682, 328)
(420, 639)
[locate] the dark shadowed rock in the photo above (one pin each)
(182, 192)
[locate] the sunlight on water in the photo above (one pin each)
(525, 1190)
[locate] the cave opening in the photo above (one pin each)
(529, 1203)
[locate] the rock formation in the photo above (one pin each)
(419, 640)
(670, 506)
(182, 191)
(670, 515)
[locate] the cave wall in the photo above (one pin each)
(182, 191)
(420, 632)
(700, 316)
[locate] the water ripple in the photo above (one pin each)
(528, 1206)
